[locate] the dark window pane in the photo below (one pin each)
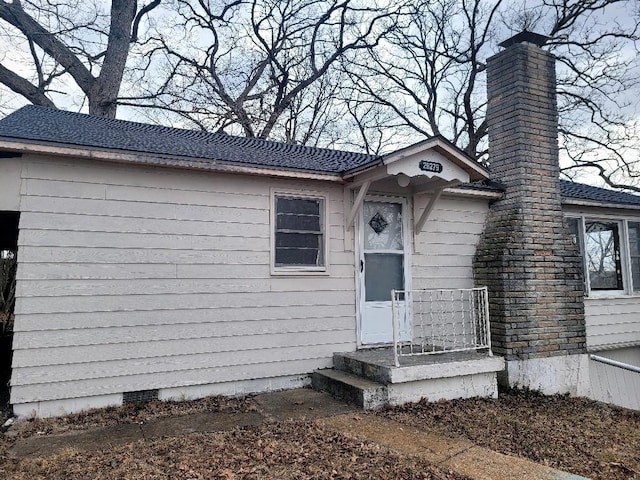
(635, 273)
(299, 239)
(298, 205)
(603, 255)
(298, 256)
(298, 222)
(634, 253)
(305, 240)
(383, 272)
(634, 238)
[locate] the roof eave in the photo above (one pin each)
(474, 192)
(347, 174)
(580, 202)
(142, 158)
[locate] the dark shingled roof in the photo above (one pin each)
(49, 125)
(576, 191)
(581, 191)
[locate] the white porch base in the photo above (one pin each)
(447, 388)
(549, 375)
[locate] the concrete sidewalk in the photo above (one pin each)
(458, 455)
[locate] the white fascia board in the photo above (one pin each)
(160, 160)
(594, 203)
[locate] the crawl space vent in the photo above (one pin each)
(140, 396)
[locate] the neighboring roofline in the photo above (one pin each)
(581, 202)
(143, 158)
(440, 144)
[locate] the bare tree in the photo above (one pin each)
(65, 40)
(429, 74)
(262, 68)
(598, 80)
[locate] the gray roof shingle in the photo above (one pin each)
(49, 125)
(580, 191)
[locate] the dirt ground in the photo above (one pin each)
(279, 450)
(576, 435)
(572, 434)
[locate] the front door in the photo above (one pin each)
(383, 267)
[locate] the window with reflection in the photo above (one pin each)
(602, 249)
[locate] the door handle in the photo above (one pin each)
(361, 265)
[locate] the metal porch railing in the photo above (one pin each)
(428, 322)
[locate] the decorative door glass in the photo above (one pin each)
(383, 226)
(383, 250)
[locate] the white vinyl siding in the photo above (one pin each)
(613, 384)
(612, 322)
(135, 278)
(444, 250)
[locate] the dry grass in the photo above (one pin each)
(284, 450)
(131, 413)
(572, 434)
(576, 435)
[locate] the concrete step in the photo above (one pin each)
(363, 392)
(362, 367)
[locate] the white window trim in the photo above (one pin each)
(299, 270)
(627, 290)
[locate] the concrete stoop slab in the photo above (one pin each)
(377, 365)
(459, 455)
(370, 380)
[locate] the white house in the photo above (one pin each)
(163, 262)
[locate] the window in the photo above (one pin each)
(611, 253)
(602, 251)
(299, 238)
(634, 254)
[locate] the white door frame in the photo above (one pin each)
(359, 247)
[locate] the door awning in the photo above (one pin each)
(434, 158)
(428, 166)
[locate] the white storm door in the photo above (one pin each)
(383, 268)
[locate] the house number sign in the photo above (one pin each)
(427, 166)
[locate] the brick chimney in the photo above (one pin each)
(525, 255)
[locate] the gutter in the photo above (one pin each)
(163, 161)
(594, 203)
